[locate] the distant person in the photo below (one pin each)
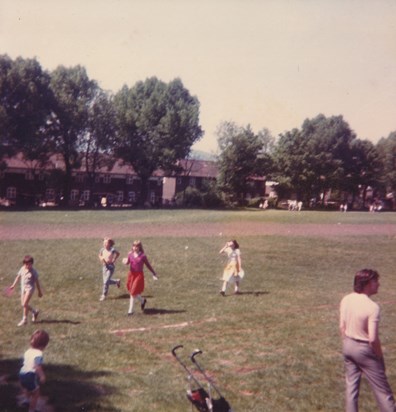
(31, 375)
(135, 284)
(359, 326)
(299, 205)
(29, 281)
(233, 268)
(108, 256)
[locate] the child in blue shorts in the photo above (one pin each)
(31, 375)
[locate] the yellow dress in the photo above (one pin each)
(230, 272)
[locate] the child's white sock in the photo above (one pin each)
(130, 304)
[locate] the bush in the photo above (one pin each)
(192, 197)
(254, 202)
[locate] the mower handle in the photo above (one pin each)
(194, 354)
(175, 349)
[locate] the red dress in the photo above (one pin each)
(135, 282)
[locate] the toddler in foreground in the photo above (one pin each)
(31, 375)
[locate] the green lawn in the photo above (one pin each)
(273, 348)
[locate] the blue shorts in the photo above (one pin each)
(29, 381)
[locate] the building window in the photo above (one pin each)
(11, 193)
(107, 179)
(179, 180)
(129, 180)
(50, 195)
(152, 197)
(29, 175)
(192, 181)
(80, 178)
(131, 197)
(120, 196)
(74, 195)
(85, 195)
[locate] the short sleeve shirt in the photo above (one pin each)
(108, 255)
(31, 359)
(28, 278)
(359, 314)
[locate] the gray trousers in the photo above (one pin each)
(108, 271)
(359, 358)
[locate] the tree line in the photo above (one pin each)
(149, 126)
(324, 159)
(153, 124)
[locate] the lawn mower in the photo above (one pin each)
(198, 396)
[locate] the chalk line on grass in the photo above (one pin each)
(171, 326)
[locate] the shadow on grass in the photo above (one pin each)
(255, 292)
(67, 388)
(252, 293)
(127, 296)
(71, 322)
(154, 311)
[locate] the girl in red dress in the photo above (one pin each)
(135, 283)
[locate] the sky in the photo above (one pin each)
(264, 63)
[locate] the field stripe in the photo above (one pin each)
(120, 332)
(85, 231)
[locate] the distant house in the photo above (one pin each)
(194, 173)
(31, 183)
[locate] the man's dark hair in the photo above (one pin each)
(362, 278)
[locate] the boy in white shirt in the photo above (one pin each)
(31, 375)
(29, 281)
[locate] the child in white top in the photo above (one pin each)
(29, 281)
(108, 256)
(31, 375)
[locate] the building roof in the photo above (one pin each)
(199, 168)
(193, 168)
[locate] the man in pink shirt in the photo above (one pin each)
(359, 324)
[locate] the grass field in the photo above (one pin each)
(275, 347)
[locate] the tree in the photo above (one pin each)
(157, 123)
(363, 169)
(243, 154)
(74, 95)
(329, 151)
(25, 107)
(291, 166)
(387, 151)
(316, 158)
(99, 140)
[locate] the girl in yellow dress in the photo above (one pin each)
(233, 270)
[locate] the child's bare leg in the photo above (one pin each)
(33, 400)
(236, 286)
(25, 303)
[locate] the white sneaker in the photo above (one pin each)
(35, 316)
(102, 298)
(22, 322)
